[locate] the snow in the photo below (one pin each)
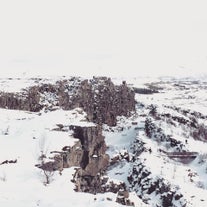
(190, 177)
(21, 183)
(25, 135)
(58, 193)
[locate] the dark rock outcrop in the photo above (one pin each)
(55, 164)
(94, 160)
(99, 97)
(29, 100)
(101, 100)
(93, 147)
(145, 185)
(145, 90)
(156, 133)
(8, 162)
(88, 155)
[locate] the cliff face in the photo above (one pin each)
(99, 97)
(29, 100)
(93, 147)
(103, 101)
(88, 154)
(94, 159)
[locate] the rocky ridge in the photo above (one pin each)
(99, 97)
(102, 101)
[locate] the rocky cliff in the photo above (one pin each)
(94, 160)
(99, 97)
(88, 155)
(101, 100)
(28, 100)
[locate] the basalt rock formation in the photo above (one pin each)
(94, 148)
(145, 185)
(28, 100)
(99, 97)
(94, 160)
(101, 100)
(88, 155)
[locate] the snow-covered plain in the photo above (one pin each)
(25, 135)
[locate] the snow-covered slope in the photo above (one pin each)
(23, 137)
(168, 122)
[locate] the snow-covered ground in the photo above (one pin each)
(189, 176)
(25, 135)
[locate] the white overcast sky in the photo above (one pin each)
(105, 37)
